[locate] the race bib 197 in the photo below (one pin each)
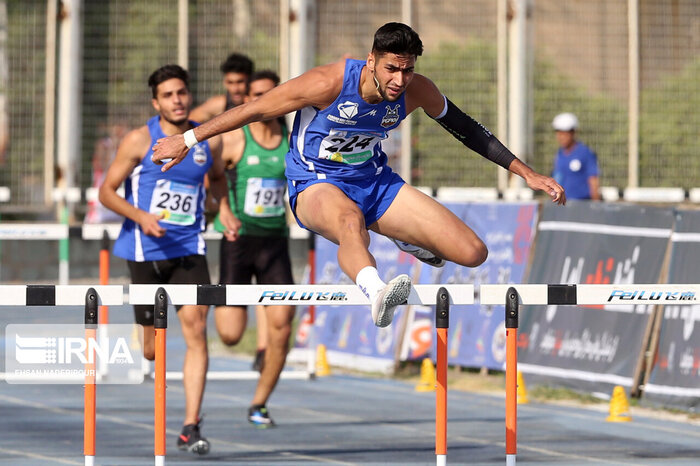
(264, 197)
(177, 202)
(349, 147)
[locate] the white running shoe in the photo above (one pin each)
(392, 295)
(421, 254)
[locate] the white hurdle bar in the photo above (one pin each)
(244, 295)
(294, 295)
(330, 295)
(59, 295)
(41, 232)
(513, 296)
(594, 295)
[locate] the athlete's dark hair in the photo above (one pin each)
(167, 72)
(397, 38)
(237, 63)
(262, 74)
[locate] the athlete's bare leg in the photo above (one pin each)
(279, 328)
(193, 320)
(413, 217)
(417, 218)
(149, 342)
(230, 322)
(325, 209)
(261, 327)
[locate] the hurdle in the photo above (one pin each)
(442, 296)
(90, 397)
(160, 325)
(41, 232)
(557, 294)
(104, 280)
(72, 295)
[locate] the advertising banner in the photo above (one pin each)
(591, 348)
(476, 337)
(675, 376)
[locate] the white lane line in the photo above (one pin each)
(418, 430)
(119, 420)
(36, 456)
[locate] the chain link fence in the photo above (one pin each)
(221, 27)
(23, 91)
(460, 57)
(126, 40)
(579, 64)
(669, 147)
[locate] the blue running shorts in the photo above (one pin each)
(373, 196)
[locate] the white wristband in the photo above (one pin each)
(190, 138)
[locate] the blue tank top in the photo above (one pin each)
(178, 194)
(343, 140)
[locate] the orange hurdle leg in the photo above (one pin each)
(511, 375)
(160, 323)
(442, 323)
(90, 400)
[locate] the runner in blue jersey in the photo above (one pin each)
(339, 183)
(161, 237)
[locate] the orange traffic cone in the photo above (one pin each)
(522, 391)
(619, 406)
(427, 377)
(322, 367)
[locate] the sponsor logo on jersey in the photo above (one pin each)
(347, 109)
(391, 116)
(199, 156)
(370, 113)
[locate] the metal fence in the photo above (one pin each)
(125, 40)
(23, 91)
(580, 57)
(460, 57)
(581, 65)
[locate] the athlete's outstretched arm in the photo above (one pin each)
(317, 87)
(474, 135)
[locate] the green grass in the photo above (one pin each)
(544, 393)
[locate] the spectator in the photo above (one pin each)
(575, 165)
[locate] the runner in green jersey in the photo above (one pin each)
(258, 248)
